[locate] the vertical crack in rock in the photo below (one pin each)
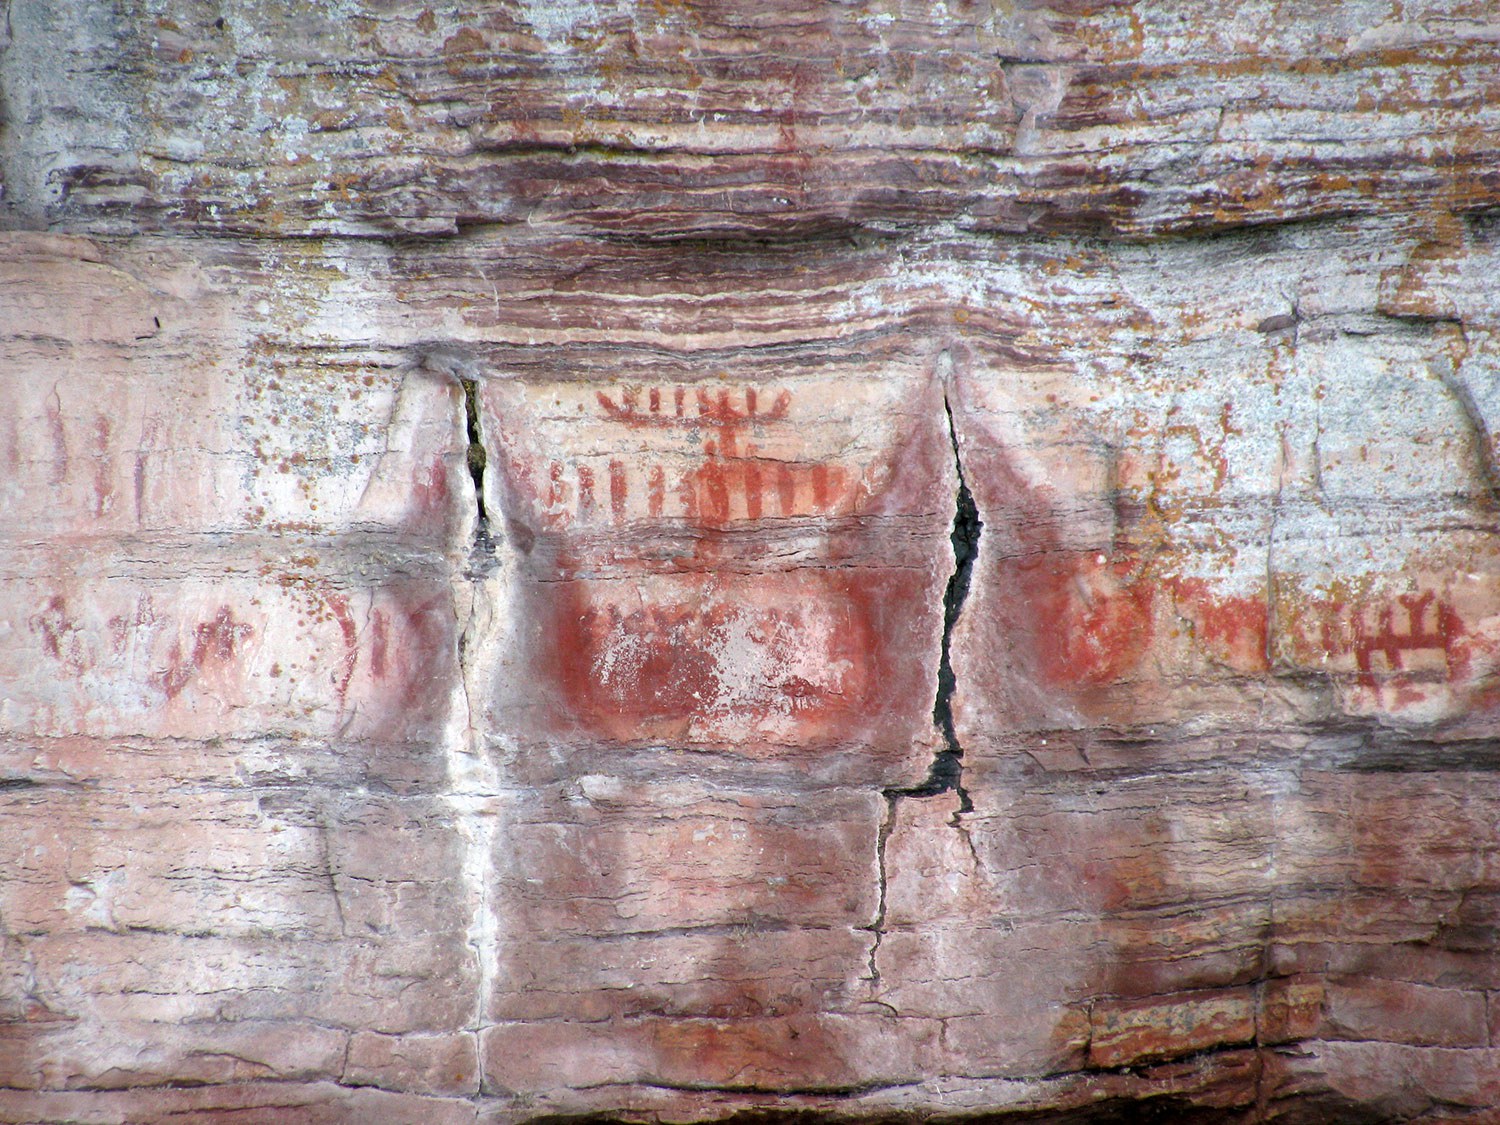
(877, 927)
(472, 779)
(946, 772)
(1479, 433)
(947, 767)
(482, 552)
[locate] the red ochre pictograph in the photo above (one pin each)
(1415, 636)
(1072, 621)
(732, 479)
(726, 642)
(1392, 649)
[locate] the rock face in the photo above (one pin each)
(657, 561)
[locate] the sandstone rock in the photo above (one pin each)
(666, 561)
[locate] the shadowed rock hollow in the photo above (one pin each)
(770, 560)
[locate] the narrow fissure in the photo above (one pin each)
(482, 551)
(946, 772)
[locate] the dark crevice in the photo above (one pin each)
(946, 772)
(482, 552)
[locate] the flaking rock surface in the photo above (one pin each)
(660, 561)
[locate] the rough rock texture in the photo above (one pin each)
(674, 559)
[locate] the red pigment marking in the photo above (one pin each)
(1092, 620)
(585, 491)
(715, 507)
(430, 494)
(820, 485)
(426, 652)
(712, 654)
(1071, 619)
(379, 638)
(59, 439)
(730, 481)
(339, 605)
(103, 493)
(714, 409)
(120, 626)
(752, 490)
(677, 665)
(1235, 630)
(53, 624)
(148, 442)
(214, 641)
(1416, 623)
(617, 490)
(655, 489)
(786, 489)
(557, 494)
(1381, 639)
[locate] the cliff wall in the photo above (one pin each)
(672, 560)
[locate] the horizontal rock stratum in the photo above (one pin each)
(694, 559)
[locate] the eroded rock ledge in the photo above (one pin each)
(687, 561)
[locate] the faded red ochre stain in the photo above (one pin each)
(411, 655)
(431, 498)
(59, 633)
(712, 658)
(1233, 630)
(122, 626)
(379, 640)
(338, 605)
(1069, 620)
(751, 1054)
(215, 642)
(103, 468)
(1094, 617)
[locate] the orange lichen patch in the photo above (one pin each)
(1291, 1009)
(1415, 288)
(321, 603)
(1126, 1033)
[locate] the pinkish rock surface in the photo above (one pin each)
(659, 562)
